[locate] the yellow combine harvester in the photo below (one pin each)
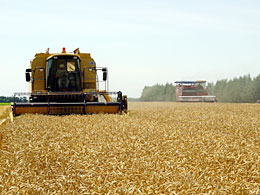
(67, 83)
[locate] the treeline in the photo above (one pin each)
(242, 89)
(159, 93)
(8, 99)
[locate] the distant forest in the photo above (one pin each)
(237, 90)
(5, 99)
(159, 93)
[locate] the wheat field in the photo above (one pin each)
(4, 111)
(158, 148)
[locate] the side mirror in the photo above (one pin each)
(104, 75)
(27, 77)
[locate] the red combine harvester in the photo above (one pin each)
(193, 91)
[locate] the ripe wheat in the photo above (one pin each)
(159, 148)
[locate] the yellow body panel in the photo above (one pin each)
(38, 66)
(89, 74)
(30, 110)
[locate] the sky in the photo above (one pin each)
(142, 42)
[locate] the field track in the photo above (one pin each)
(159, 148)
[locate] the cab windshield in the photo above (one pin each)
(63, 74)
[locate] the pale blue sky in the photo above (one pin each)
(141, 42)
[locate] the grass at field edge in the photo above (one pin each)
(4, 104)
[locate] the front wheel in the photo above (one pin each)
(124, 104)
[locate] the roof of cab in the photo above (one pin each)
(63, 54)
(189, 82)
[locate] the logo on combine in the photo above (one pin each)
(91, 63)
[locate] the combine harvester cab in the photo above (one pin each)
(193, 91)
(67, 83)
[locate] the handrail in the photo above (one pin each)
(65, 93)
